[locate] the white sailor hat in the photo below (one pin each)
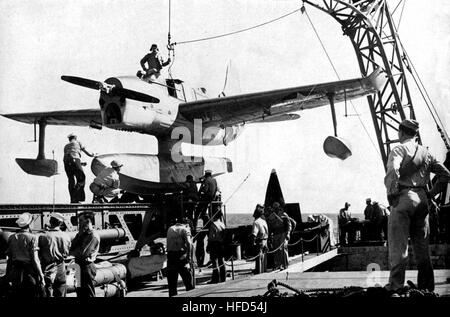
(57, 216)
(24, 219)
(208, 171)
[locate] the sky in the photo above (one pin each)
(42, 40)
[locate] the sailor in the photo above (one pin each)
(259, 236)
(208, 191)
(385, 221)
(54, 247)
(207, 195)
(408, 173)
(376, 222)
(23, 268)
(190, 196)
(84, 248)
(154, 62)
(281, 237)
(179, 255)
(367, 229)
(107, 183)
(216, 238)
(345, 224)
(74, 169)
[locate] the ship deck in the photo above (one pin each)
(257, 285)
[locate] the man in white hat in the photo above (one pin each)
(107, 183)
(74, 169)
(54, 247)
(408, 173)
(23, 267)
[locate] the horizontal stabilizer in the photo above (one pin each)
(41, 167)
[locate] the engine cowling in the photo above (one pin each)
(120, 113)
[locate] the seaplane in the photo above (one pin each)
(176, 113)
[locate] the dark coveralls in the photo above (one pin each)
(74, 171)
(207, 191)
(190, 198)
(20, 270)
(154, 62)
(178, 257)
(408, 172)
(376, 223)
(280, 242)
(54, 248)
(216, 237)
(85, 247)
(366, 233)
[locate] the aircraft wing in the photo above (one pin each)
(276, 105)
(82, 117)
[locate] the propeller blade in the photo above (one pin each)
(88, 83)
(97, 85)
(132, 94)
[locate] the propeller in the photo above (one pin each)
(108, 88)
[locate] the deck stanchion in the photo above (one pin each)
(232, 268)
(301, 244)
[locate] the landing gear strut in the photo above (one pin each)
(39, 166)
(333, 146)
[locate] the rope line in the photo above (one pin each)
(423, 91)
(239, 31)
(401, 15)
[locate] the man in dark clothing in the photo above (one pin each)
(154, 63)
(190, 196)
(376, 222)
(207, 195)
(281, 237)
(179, 256)
(53, 249)
(85, 247)
(366, 233)
(74, 169)
(216, 237)
(207, 191)
(23, 268)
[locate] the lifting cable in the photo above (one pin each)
(401, 15)
(238, 31)
(337, 74)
